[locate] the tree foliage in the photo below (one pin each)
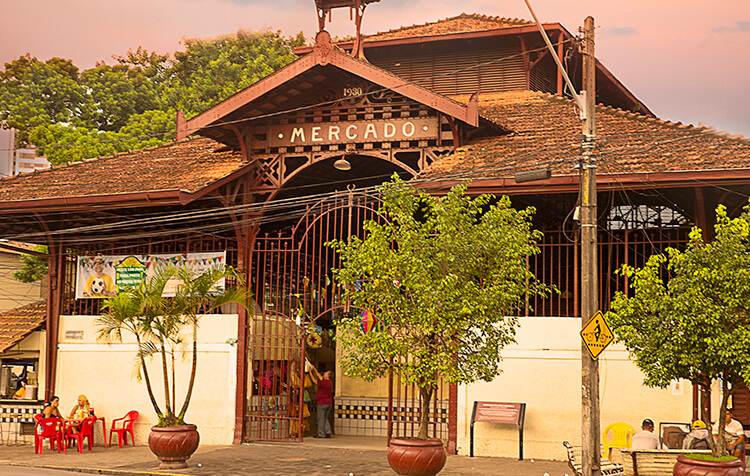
(34, 267)
(209, 71)
(689, 313)
(444, 277)
(71, 114)
(163, 326)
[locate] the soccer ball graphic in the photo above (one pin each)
(97, 286)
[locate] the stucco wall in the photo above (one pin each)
(104, 373)
(544, 371)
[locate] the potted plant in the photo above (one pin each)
(444, 277)
(688, 316)
(162, 326)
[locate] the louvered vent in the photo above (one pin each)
(458, 68)
(544, 76)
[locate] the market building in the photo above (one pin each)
(264, 179)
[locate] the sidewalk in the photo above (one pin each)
(355, 456)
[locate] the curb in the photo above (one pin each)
(112, 472)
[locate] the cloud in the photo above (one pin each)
(740, 26)
(282, 3)
(620, 31)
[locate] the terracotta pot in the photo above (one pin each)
(416, 457)
(173, 445)
(697, 467)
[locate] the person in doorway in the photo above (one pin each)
(734, 434)
(646, 439)
(697, 439)
(21, 392)
(325, 402)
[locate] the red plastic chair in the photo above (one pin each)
(127, 427)
(85, 430)
(47, 428)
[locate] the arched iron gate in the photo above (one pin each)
(297, 304)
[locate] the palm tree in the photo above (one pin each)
(161, 325)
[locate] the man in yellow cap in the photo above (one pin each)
(697, 439)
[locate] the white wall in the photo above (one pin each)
(104, 373)
(544, 371)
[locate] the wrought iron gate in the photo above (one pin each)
(297, 304)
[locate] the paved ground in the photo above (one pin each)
(346, 456)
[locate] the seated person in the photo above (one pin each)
(21, 392)
(52, 408)
(734, 435)
(645, 439)
(697, 439)
(82, 410)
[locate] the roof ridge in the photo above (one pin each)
(605, 108)
(495, 18)
(675, 124)
(26, 306)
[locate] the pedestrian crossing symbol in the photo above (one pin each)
(596, 335)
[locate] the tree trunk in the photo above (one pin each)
(721, 444)
(425, 396)
(146, 377)
(168, 412)
(183, 410)
(705, 412)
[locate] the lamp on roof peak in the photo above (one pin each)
(342, 164)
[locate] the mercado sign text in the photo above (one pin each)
(322, 133)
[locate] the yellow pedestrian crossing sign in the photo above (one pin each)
(596, 335)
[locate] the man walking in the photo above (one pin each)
(325, 403)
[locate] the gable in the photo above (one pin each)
(318, 79)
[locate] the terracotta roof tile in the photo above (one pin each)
(546, 129)
(462, 23)
(20, 322)
(188, 165)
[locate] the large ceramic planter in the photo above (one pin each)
(173, 445)
(697, 467)
(416, 457)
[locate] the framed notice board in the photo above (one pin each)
(498, 412)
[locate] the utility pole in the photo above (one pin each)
(590, 435)
(586, 101)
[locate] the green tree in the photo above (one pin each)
(445, 277)
(689, 313)
(154, 65)
(209, 71)
(34, 93)
(34, 267)
(163, 325)
(118, 93)
(71, 115)
(64, 143)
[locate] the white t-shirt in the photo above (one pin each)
(733, 428)
(646, 440)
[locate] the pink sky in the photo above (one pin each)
(687, 60)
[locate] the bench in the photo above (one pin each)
(652, 462)
(575, 462)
